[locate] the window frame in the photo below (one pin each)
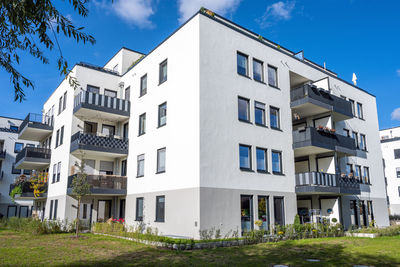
(265, 152)
(159, 114)
(276, 85)
(398, 153)
(142, 126)
(248, 109)
(356, 140)
(262, 70)
(53, 180)
(363, 140)
(18, 143)
(366, 178)
(279, 152)
(353, 107)
(110, 91)
(360, 111)
(398, 172)
(165, 62)
(139, 159)
(158, 160)
(58, 171)
(14, 170)
(278, 118)
(137, 217)
(142, 90)
(158, 219)
(249, 151)
(264, 117)
(64, 101)
(61, 141)
(57, 138)
(238, 53)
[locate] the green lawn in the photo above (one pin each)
(17, 249)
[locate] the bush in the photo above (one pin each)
(36, 227)
(387, 231)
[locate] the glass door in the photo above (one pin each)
(246, 209)
(263, 212)
(103, 210)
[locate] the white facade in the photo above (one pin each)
(186, 169)
(390, 143)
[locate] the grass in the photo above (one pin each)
(20, 249)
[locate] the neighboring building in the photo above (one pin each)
(254, 131)
(10, 146)
(390, 143)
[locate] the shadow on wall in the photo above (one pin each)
(293, 253)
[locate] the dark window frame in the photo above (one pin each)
(278, 118)
(238, 53)
(142, 90)
(248, 109)
(279, 152)
(396, 153)
(110, 91)
(264, 117)
(142, 128)
(160, 77)
(91, 88)
(18, 143)
(265, 152)
(159, 114)
(360, 110)
(262, 70)
(61, 141)
(138, 163)
(14, 170)
(158, 215)
(158, 160)
(250, 168)
(276, 76)
(137, 217)
(58, 171)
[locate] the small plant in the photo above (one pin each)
(260, 37)
(259, 223)
(17, 190)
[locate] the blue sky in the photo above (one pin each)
(361, 36)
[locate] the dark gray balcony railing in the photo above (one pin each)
(2, 153)
(100, 102)
(37, 121)
(310, 93)
(89, 141)
(103, 184)
(39, 154)
(326, 182)
(311, 136)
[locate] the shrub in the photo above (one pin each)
(36, 227)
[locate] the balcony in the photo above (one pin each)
(91, 105)
(35, 127)
(28, 191)
(310, 140)
(308, 100)
(33, 158)
(96, 145)
(103, 184)
(326, 183)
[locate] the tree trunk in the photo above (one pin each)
(77, 217)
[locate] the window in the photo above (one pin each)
(242, 66)
(60, 103)
(142, 124)
(124, 165)
(355, 137)
(358, 172)
(258, 73)
(272, 76)
(65, 101)
(110, 93)
(349, 170)
(128, 93)
(55, 209)
(93, 89)
(162, 114)
(363, 144)
(51, 210)
(14, 170)
(161, 160)
(259, 113)
(139, 209)
(84, 211)
(163, 71)
(263, 211)
(244, 109)
(160, 208)
(246, 210)
(353, 108)
(279, 211)
(397, 154)
(108, 130)
(143, 85)
(140, 166)
(261, 154)
(61, 135)
(18, 147)
(399, 190)
(14, 128)
(54, 173)
(58, 171)
(106, 167)
(360, 112)
(398, 172)
(125, 131)
(26, 172)
(347, 132)
(276, 162)
(274, 117)
(245, 157)
(366, 176)
(57, 138)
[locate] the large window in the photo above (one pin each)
(139, 209)
(244, 109)
(273, 76)
(142, 124)
(360, 112)
(263, 212)
(163, 71)
(279, 211)
(363, 143)
(140, 166)
(161, 160)
(258, 70)
(276, 162)
(245, 157)
(18, 147)
(162, 114)
(261, 154)
(274, 117)
(397, 153)
(246, 210)
(242, 65)
(160, 208)
(259, 113)
(143, 85)
(366, 176)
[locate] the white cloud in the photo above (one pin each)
(187, 8)
(135, 12)
(277, 11)
(398, 72)
(396, 114)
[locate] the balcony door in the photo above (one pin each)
(279, 211)
(103, 210)
(108, 130)
(90, 127)
(246, 210)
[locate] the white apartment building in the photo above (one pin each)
(10, 146)
(390, 143)
(224, 127)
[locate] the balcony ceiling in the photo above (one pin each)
(95, 154)
(33, 134)
(31, 165)
(310, 150)
(92, 114)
